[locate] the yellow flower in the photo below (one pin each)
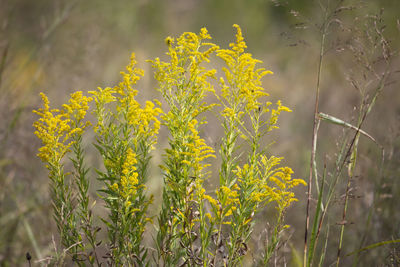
(129, 178)
(143, 121)
(184, 70)
(77, 105)
(243, 79)
(103, 96)
(57, 127)
(240, 45)
(212, 201)
(169, 40)
(115, 187)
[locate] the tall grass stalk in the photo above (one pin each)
(348, 154)
(316, 122)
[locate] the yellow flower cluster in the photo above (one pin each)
(226, 202)
(281, 193)
(129, 177)
(143, 120)
(77, 106)
(243, 79)
(275, 114)
(274, 184)
(102, 97)
(56, 127)
(198, 150)
(126, 131)
(228, 198)
(183, 77)
(183, 82)
(129, 78)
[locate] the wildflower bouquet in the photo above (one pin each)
(196, 225)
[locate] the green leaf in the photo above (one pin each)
(374, 246)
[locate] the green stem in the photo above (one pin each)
(314, 140)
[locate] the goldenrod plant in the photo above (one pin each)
(60, 130)
(197, 225)
(247, 182)
(183, 83)
(124, 137)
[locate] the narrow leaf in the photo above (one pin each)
(374, 246)
(337, 121)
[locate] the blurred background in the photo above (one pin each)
(59, 46)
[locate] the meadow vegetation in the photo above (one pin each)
(195, 226)
(192, 173)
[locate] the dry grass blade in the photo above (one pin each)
(334, 120)
(31, 237)
(323, 253)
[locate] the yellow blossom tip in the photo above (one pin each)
(169, 41)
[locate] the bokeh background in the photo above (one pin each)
(59, 46)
